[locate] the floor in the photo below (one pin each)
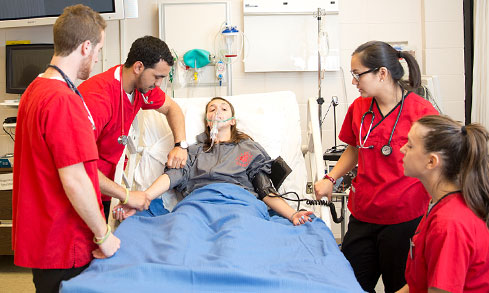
(13, 278)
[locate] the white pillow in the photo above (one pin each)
(271, 119)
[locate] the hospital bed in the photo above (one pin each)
(219, 238)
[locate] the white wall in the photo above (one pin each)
(443, 52)
(434, 28)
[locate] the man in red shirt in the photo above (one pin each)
(114, 98)
(58, 225)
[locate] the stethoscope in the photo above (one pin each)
(72, 86)
(123, 139)
(386, 149)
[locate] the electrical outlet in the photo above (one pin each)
(309, 188)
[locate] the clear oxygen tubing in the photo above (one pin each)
(214, 130)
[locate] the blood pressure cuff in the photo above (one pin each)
(279, 171)
(263, 186)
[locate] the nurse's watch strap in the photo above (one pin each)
(330, 178)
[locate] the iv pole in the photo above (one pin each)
(334, 100)
(320, 100)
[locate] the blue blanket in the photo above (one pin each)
(220, 238)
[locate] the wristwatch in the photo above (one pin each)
(183, 144)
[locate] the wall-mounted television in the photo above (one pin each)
(24, 63)
(16, 13)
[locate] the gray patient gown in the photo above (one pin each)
(235, 163)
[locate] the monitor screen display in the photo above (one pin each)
(19, 13)
(24, 63)
(23, 9)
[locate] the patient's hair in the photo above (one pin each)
(236, 135)
(465, 159)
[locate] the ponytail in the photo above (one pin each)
(414, 71)
(465, 157)
(474, 170)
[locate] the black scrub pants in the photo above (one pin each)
(375, 250)
(48, 280)
(106, 205)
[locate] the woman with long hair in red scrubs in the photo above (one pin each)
(450, 250)
(385, 205)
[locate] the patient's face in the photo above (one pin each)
(224, 112)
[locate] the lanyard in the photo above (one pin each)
(123, 138)
(72, 86)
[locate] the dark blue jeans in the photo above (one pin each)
(156, 208)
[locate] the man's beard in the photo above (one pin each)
(85, 68)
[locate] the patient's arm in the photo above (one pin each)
(161, 185)
(283, 209)
(137, 199)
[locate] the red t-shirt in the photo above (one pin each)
(451, 250)
(380, 192)
(53, 131)
(102, 94)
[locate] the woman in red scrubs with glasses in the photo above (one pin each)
(385, 205)
(450, 249)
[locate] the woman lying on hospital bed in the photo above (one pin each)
(222, 155)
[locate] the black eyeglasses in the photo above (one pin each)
(356, 76)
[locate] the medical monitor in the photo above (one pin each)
(24, 63)
(17, 13)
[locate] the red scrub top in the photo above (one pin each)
(380, 192)
(451, 250)
(53, 131)
(102, 94)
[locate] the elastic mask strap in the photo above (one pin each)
(210, 120)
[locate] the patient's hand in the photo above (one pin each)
(139, 200)
(177, 158)
(301, 217)
(108, 248)
(123, 211)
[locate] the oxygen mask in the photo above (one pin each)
(214, 129)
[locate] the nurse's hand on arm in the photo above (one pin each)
(347, 162)
(138, 200)
(177, 157)
(160, 186)
(79, 189)
(283, 209)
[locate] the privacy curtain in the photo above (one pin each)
(480, 88)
